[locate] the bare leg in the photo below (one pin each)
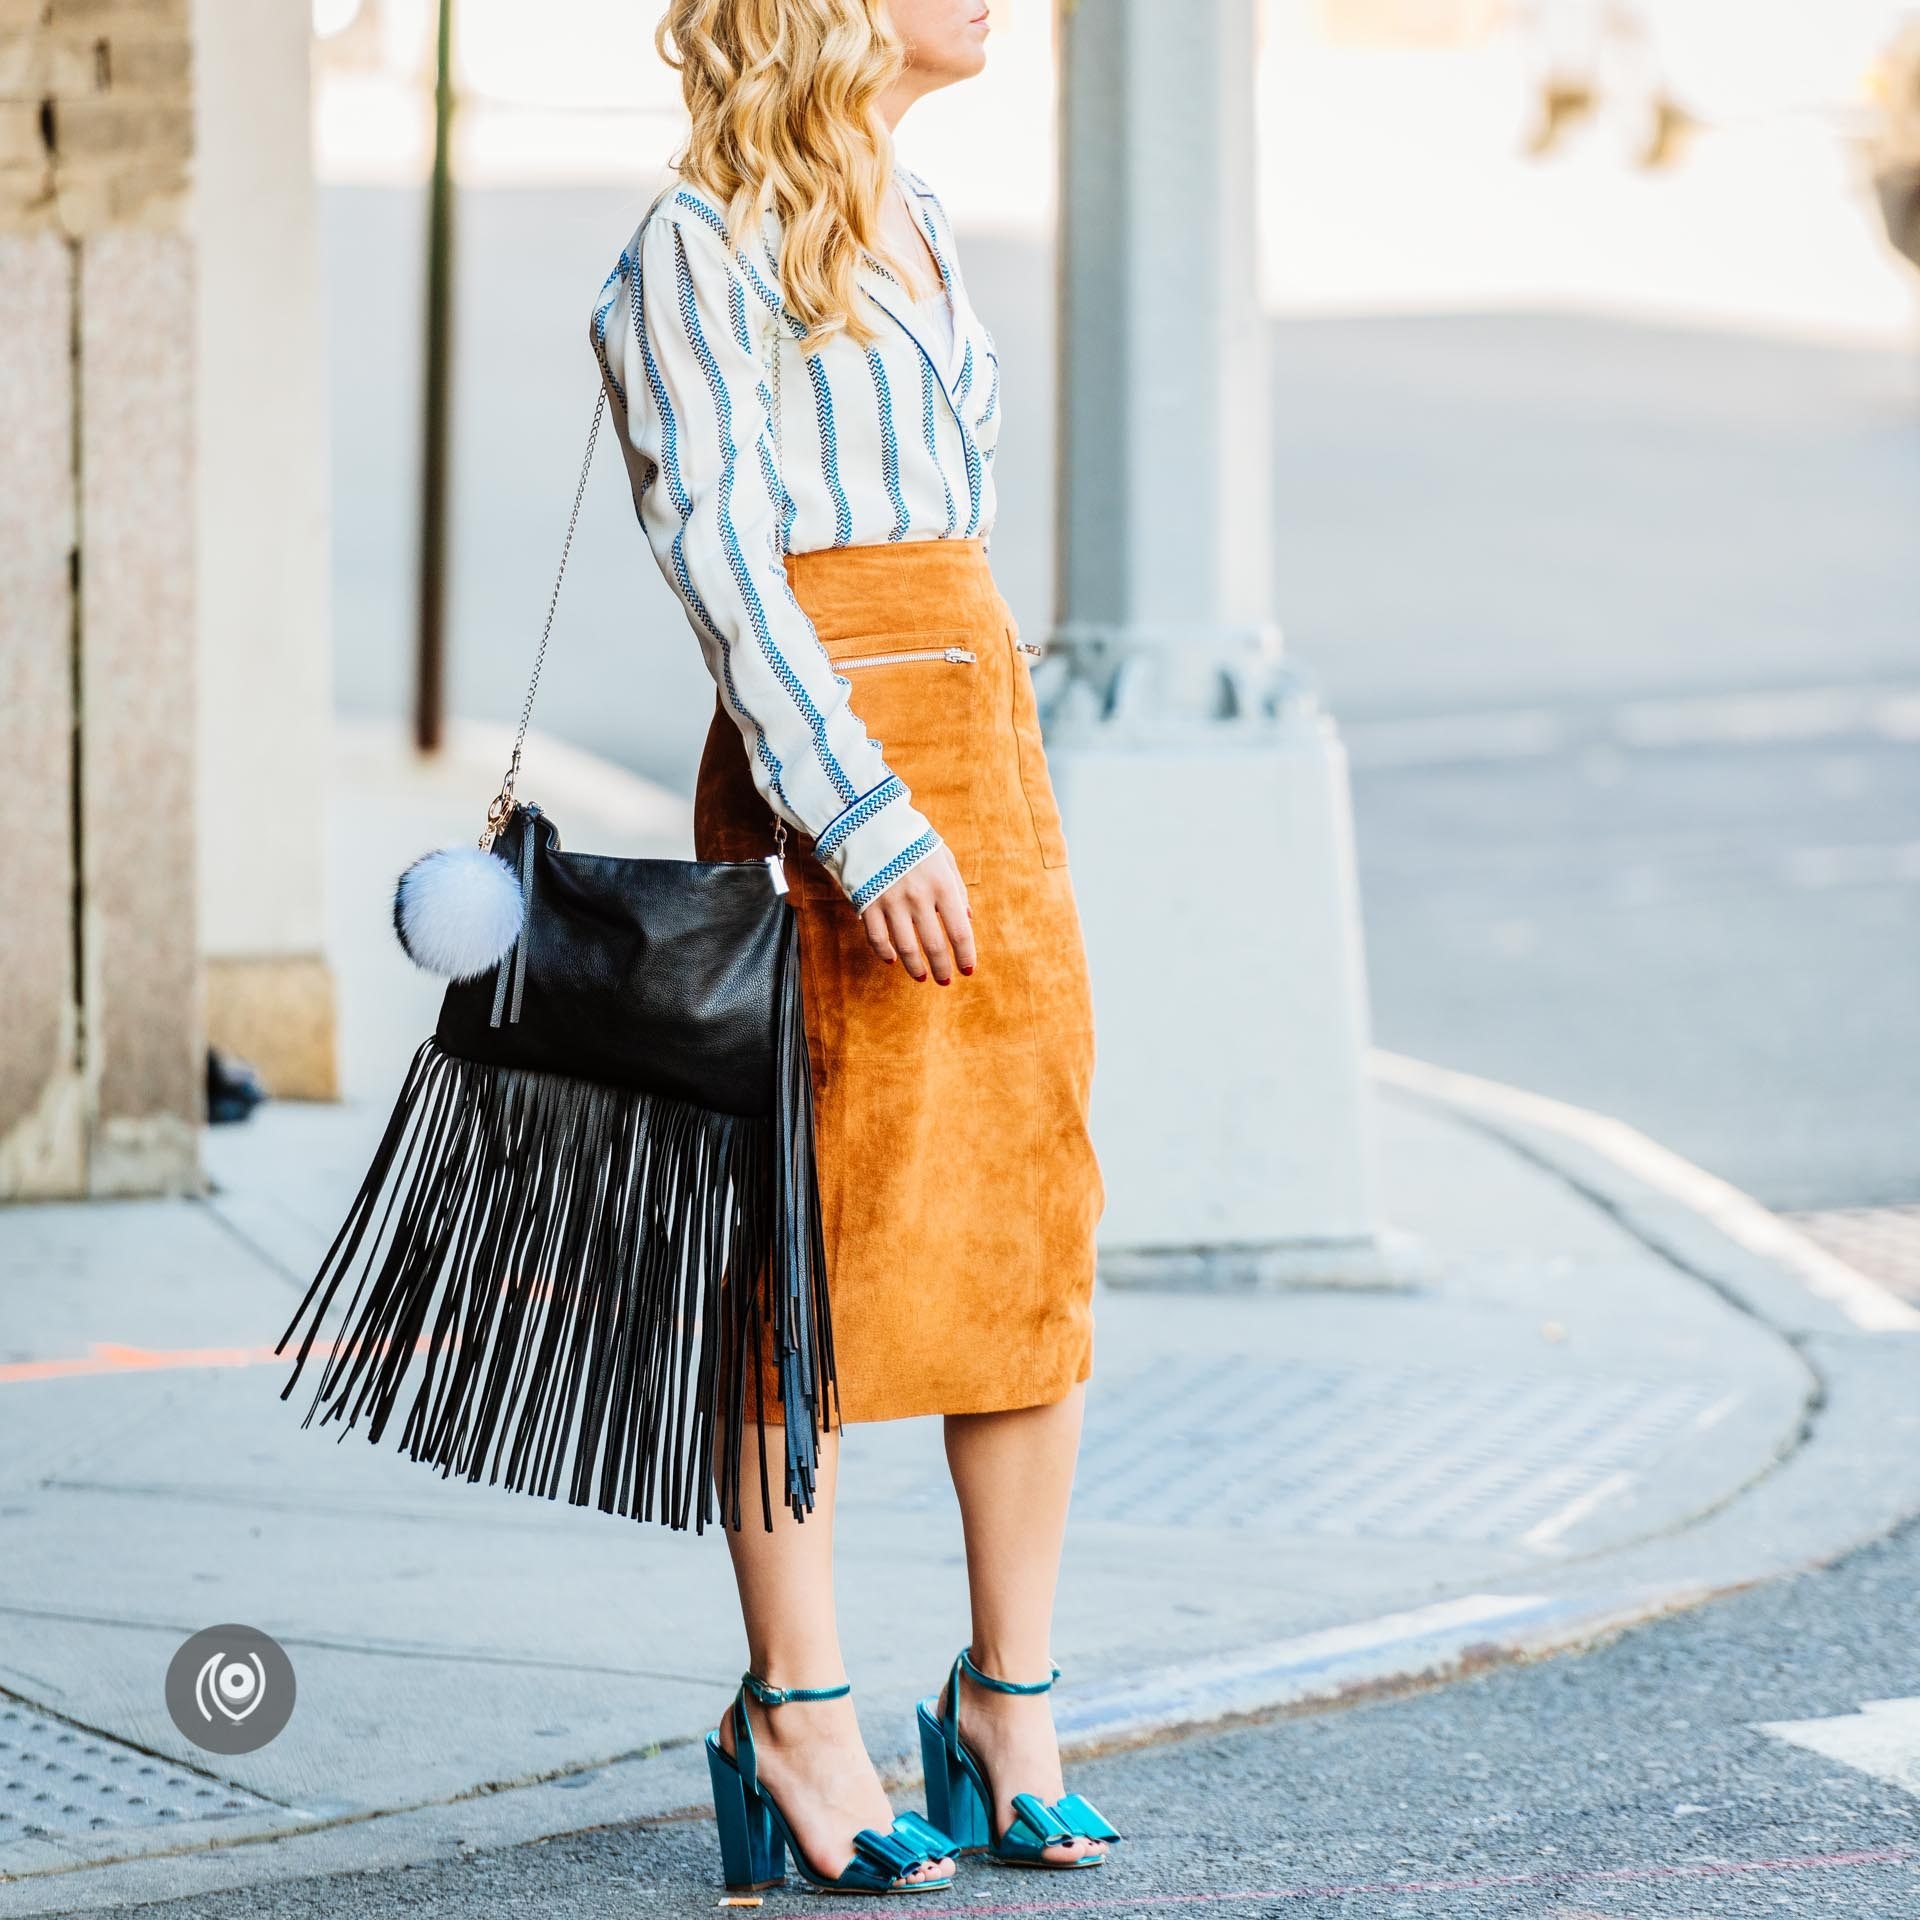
(810, 1752)
(1013, 1473)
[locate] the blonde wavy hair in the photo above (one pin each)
(783, 95)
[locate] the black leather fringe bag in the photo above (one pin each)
(594, 1210)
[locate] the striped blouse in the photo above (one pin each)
(891, 441)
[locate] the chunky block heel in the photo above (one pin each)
(755, 1839)
(960, 1799)
(753, 1856)
(954, 1804)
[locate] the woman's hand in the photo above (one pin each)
(923, 919)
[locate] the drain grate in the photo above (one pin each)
(58, 1781)
(1881, 1242)
(1235, 1442)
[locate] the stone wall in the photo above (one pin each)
(101, 1055)
(265, 676)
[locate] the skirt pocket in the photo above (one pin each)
(1035, 780)
(921, 698)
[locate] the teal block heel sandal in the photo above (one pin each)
(960, 1798)
(755, 1838)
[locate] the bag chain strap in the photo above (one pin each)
(500, 807)
(779, 526)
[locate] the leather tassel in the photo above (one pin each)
(560, 1286)
(513, 964)
(803, 1336)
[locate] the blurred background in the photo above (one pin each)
(1596, 443)
(1462, 463)
(1595, 462)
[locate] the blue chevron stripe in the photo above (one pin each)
(713, 219)
(889, 447)
(683, 507)
(966, 438)
(737, 313)
(736, 559)
(975, 475)
(864, 896)
(776, 482)
(611, 288)
(939, 253)
(933, 438)
(772, 300)
(703, 210)
(830, 451)
(857, 815)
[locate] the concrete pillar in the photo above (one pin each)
(101, 1070)
(42, 1100)
(1204, 790)
(265, 693)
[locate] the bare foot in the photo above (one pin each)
(1013, 1736)
(811, 1756)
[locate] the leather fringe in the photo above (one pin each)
(588, 1274)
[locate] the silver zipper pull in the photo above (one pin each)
(1029, 646)
(777, 872)
(910, 657)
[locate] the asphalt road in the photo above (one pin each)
(1623, 626)
(1717, 942)
(1633, 1783)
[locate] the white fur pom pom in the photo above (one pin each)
(458, 911)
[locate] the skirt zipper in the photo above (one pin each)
(955, 656)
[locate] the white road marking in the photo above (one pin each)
(1761, 719)
(1882, 1739)
(1864, 1301)
(1717, 1412)
(1555, 1524)
(1449, 739)
(1367, 1636)
(1756, 719)
(1815, 869)
(1305, 1666)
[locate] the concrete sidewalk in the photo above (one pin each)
(1593, 1404)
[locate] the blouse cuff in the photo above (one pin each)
(873, 842)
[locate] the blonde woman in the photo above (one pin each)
(808, 406)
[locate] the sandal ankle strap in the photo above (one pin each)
(1006, 1686)
(770, 1696)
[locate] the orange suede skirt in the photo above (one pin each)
(958, 1184)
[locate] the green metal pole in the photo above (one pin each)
(429, 700)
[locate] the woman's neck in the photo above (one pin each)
(898, 97)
